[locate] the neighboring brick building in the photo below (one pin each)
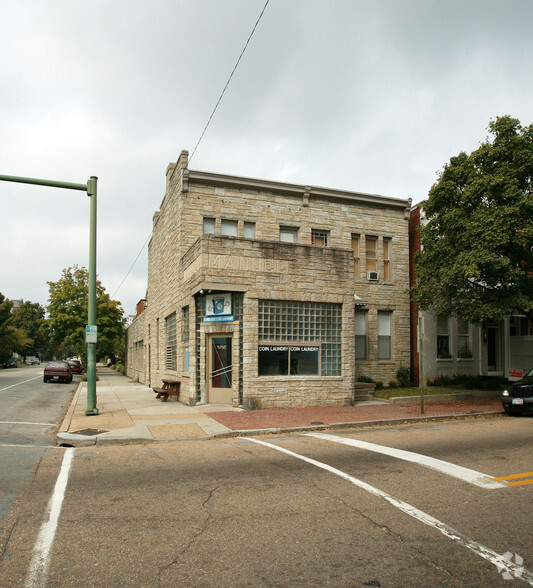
(267, 294)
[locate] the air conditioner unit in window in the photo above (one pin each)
(373, 276)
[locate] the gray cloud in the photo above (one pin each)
(370, 96)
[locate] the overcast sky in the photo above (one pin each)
(372, 96)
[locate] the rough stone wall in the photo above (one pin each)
(181, 258)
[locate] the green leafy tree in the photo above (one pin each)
(29, 318)
(68, 311)
(12, 337)
(476, 260)
(6, 337)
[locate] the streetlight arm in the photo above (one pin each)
(50, 183)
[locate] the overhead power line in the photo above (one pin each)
(132, 265)
(229, 80)
(205, 128)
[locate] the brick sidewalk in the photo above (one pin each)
(308, 417)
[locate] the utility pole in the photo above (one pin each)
(421, 360)
(90, 188)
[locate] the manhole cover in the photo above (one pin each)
(90, 432)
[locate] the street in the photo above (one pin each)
(30, 410)
(285, 510)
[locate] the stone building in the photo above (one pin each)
(266, 294)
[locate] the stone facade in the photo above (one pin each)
(282, 257)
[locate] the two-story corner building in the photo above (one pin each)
(266, 294)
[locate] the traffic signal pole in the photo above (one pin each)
(91, 188)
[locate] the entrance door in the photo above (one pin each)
(220, 369)
(493, 348)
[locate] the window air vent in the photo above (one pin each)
(373, 276)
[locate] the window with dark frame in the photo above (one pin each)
(443, 337)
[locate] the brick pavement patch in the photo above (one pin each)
(307, 417)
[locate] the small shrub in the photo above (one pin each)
(365, 379)
(393, 384)
(120, 367)
(379, 385)
(403, 375)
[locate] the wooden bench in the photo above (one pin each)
(169, 388)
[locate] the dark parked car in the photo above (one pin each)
(56, 371)
(75, 366)
(518, 397)
(10, 363)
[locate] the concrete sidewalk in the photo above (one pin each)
(129, 412)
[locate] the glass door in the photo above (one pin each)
(220, 369)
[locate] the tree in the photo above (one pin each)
(29, 318)
(6, 339)
(476, 261)
(68, 311)
(12, 338)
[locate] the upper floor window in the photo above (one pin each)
(387, 254)
(209, 226)
(288, 234)
(228, 228)
(319, 237)
(371, 250)
(356, 259)
(249, 230)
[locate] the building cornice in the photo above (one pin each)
(302, 190)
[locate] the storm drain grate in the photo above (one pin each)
(91, 432)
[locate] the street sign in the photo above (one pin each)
(90, 334)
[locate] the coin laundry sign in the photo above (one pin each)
(218, 308)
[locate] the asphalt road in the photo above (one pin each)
(264, 511)
(29, 414)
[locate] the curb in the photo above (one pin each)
(76, 440)
(64, 427)
(358, 424)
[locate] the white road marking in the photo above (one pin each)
(25, 381)
(30, 446)
(27, 423)
(445, 467)
(493, 557)
(40, 563)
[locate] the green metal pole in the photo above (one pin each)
(91, 346)
(421, 361)
(90, 188)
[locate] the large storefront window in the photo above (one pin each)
(289, 360)
(308, 336)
